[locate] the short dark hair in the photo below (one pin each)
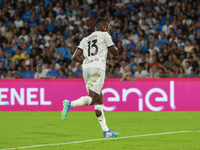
(99, 21)
(188, 40)
(162, 70)
(188, 62)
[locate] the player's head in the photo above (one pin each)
(102, 24)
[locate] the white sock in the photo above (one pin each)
(83, 101)
(101, 118)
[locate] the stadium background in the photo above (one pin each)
(156, 39)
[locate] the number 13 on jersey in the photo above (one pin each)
(92, 44)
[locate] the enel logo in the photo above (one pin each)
(143, 98)
(34, 96)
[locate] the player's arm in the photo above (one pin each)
(77, 55)
(110, 45)
(114, 50)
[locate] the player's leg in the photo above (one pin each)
(97, 81)
(82, 101)
(67, 105)
(97, 99)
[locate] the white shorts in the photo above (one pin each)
(94, 79)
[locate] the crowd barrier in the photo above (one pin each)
(140, 95)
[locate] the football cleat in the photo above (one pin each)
(109, 134)
(66, 108)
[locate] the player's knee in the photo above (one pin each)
(98, 110)
(96, 99)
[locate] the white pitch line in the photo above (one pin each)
(92, 140)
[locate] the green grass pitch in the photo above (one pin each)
(19, 129)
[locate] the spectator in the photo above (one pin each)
(188, 68)
(46, 69)
(59, 27)
(61, 15)
(71, 17)
(3, 70)
(78, 73)
(131, 46)
(19, 72)
(181, 73)
(145, 46)
(3, 58)
(147, 67)
(182, 54)
(196, 46)
(193, 74)
(154, 73)
(186, 20)
(143, 62)
(90, 22)
(194, 65)
(70, 74)
(61, 74)
(9, 75)
(27, 15)
(123, 65)
(62, 60)
(19, 23)
(148, 58)
(133, 36)
(23, 35)
(63, 49)
(155, 62)
(40, 73)
(27, 73)
(7, 22)
(172, 74)
(140, 73)
(2, 28)
(170, 62)
(8, 34)
(157, 25)
(138, 58)
(162, 40)
(57, 66)
(8, 49)
(161, 73)
(57, 8)
(167, 27)
(188, 46)
(127, 76)
(197, 59)
(173, 39)
(19, 55)
(52, 73)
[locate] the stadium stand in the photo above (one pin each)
(156, 38)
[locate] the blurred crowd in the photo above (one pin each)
(156, 38)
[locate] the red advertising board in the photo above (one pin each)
(140, 95)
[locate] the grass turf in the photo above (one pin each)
(18, 129)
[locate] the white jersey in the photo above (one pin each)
(95, 49)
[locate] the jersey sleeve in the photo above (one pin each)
(80, 46)
(108, 40)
